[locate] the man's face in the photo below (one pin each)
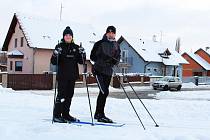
(111, 35)
(68, 38)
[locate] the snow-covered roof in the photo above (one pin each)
(200, 60)
(15, 52)
(150, 51)
(2, 52)
(45, 33)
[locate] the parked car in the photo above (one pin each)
(167, 83)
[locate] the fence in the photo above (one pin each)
(30, 81)
(201, 80)
(137, 78)
(47, 81)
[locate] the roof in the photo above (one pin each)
(205, 51)
(200, 61)
(150, 51)
(45, 33)
(15, 52)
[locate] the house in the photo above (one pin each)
(30, 42)
(149, 57)
(205, 54)
(198, 64)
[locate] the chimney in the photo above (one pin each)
(207, 48)
(154, 38)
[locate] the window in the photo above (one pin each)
(21, 42)
(18, 66)
(155, 69)
(11, 65)
(124, 56)
(16, 42)
(124, 70)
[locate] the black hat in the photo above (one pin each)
(67, 31)
(111, 29)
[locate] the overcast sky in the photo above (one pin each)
(187, 19)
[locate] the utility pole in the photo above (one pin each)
(61, 10)
(161, 37)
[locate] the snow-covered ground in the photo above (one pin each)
(181, 116)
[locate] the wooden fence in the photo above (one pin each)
(136, 78)
(30, 81)
(45, 81)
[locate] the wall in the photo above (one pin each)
(28, 53)
(42, 60)
(138, 63)
(188, 69)
(150, 68)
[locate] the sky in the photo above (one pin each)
(186, 19)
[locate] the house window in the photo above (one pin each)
(16, 42)
(155, 69)
(124, 70)
(11, 65)
(18, 65)
(124, 56)
(148, 69)
(21, 42)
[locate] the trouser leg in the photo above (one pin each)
(69, 92)
(103, 82)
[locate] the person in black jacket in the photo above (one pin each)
(68, 55)
(105, 54)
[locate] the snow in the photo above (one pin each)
(144, 50)
(184, 95)
(45, 33)
(200, 61)
(181, 116)
(193, 86)
(15, 52)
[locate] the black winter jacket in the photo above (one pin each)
(68, 60)
(105, 54)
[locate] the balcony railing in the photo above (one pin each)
(126, 61)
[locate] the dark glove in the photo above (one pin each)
(81, 50)
(57, 51)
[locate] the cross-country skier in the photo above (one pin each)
(70, 55)
(105, 54)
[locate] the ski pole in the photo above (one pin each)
(85, 75)
(156, 125)
(129, 100)
(55, 94)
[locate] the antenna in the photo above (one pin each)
(161, 36)
(61, 10)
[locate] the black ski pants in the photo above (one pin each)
(103, 83)
(64, 97)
